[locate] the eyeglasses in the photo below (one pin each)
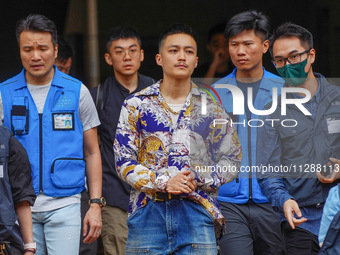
(122, 53)
(292, 59)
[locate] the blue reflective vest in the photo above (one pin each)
(241, 189)
(54, 139)
(9, 230)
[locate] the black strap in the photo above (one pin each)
(100, 98)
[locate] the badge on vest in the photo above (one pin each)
(63, 121)
(333, 125)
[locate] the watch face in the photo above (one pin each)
(102, 201)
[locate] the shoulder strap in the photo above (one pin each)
(100, 98)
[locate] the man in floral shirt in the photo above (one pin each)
(172, 150)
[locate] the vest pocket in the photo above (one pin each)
(229, 189)
(68, 172)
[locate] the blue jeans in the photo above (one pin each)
(171, 227)
(57, 231)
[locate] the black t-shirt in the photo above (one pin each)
(244, 87)
(115, 191)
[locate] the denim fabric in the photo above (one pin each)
(171, 227)
(57, 232)
(331, 208)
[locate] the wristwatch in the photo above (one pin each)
(101, 201)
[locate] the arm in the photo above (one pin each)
(23, 210)
(19, 170)
(126, 148)
(331, 208)
(220, 150)
(269, 155)
(94, 175)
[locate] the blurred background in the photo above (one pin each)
(84, 24)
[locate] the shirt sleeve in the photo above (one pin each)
(331, 208)
(19, 169)
(126, 147)
(87, 110)
(268, 157)
(216, 159)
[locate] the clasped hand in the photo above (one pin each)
(181, 183)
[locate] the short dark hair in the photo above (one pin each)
(289, 29)
(215, 30)
(176, 28)
(121, 32)
(248, 20)
(64, 50)
(37, 23)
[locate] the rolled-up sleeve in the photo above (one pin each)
(19, 169)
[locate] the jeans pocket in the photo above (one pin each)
(204, 249)
(136, 251)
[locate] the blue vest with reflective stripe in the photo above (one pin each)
(9, 230)
(239, 190)
(53, 139)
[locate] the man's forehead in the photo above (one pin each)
(29, 37)
(124, 42)
(180, 39)
(246, 35)
(218, 38)
(287, 44)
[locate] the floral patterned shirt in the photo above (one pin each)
(150, 149)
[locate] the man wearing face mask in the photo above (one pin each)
(305, 146)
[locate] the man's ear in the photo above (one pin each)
(159, 59)
(108, 59)
(196, 62)
(141, 55)
(56, 51)
(312, 55)
(265, 46)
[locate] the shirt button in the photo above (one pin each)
(294, 131)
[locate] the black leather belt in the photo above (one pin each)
(161, 197)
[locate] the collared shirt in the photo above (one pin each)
(150, 149)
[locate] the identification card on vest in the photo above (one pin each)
(63, 121)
